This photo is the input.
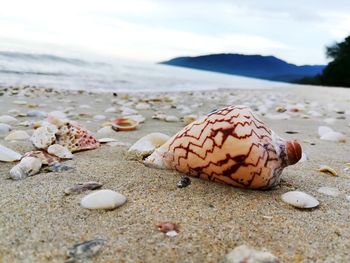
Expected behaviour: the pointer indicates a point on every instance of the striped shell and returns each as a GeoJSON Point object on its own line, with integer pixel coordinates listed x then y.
{"type": "Point", "coordinates": [229, 145]}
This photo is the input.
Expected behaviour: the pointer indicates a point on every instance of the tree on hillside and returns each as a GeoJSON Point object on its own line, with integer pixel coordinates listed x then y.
{"type": "Point", "coordinates": [337, 72]}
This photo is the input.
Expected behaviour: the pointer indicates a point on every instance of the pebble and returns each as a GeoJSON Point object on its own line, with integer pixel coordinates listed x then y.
{"type": "Point", "coordinates": [81, 187]}
{"type": "Point", "coordinates": [60, 151]}
{"type": "Point", "coordinates": [8, 119]}
{"type": "Point", "coordinates": [300, 199]}
{"type": "Point", "coordinates": [184, 182]}
{"type": "Point", "coordinates": [103, 199]}
{"type": "Point", "coordinates": [8, 155]}
{"type": "Point", "coordinates": [245, 254]}
{"type": "Point", "coordinates": [83, 251]}
{"type": "Point", "coordinates": [17, 135]}
{"type": "Point", "coordinates": [331, 191]}
{"type": "Point", "coordinates": [4, 129]}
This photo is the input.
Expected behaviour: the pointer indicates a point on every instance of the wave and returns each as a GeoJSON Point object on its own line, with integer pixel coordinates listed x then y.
{"type": "Point", "coordinates": [32, 73]}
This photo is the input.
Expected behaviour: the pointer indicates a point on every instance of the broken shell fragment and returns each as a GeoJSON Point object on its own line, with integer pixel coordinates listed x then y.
{"type": "Point", "coordinates": [124, 124]}
{"type": "Point", "coordinates": [81, 187]}
{"type": "Point", "coordinates": [45, 157]}
{"type": "Point", "coordinates": [300, 199]}
{"type": "Point", "coordinates": [229, 145]}
{"type": "Point", "coordinates": [245, 254]}
{"type": "Point", "coordinates": [82, 252]}
{"type": "Point", "coordinates": [8, 155]}
{"type": "Point", "coordinates": [43, 137]}
{"type": "Point", "coordinates": [28, 166]}
{"type": "Point", "coordinates": [59, 151]}
{"type": "Point", "coordinates": [167, 226]}
{"type": "Point", "coordinates": [147, 144]}
{"type": "Point", "coordinates": [331, 191]}
{"type": "Point", "coordinates": [327, 169]}
{"type": "Point", "coordinates": [76, 138]}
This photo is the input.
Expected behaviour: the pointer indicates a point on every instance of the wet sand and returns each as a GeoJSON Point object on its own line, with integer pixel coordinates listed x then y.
{"type": "Point", "coordinates": [38, 223]}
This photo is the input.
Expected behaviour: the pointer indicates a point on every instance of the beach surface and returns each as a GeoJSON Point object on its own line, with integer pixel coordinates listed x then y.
{"type": "Point", "coordinates": [39, 223]}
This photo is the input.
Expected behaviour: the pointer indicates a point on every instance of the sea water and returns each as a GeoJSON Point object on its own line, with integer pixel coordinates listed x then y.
{"type": "Point", "coordinates": [114, 75]}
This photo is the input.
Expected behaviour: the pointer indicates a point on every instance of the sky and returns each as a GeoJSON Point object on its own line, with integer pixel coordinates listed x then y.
{"type": "Point", "coordinates": [156, 30]}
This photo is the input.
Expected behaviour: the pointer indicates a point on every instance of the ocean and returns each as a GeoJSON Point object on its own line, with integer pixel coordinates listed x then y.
{"type": "Point", "coordinates": [113, 75]}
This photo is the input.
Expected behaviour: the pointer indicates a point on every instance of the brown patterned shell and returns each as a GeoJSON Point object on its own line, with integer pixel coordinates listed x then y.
{"type": "Point", "coordinates": [231, 146]}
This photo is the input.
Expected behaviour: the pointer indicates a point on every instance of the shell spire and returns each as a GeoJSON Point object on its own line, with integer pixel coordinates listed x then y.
{"type": "Point", "coordinates": [231, 146]}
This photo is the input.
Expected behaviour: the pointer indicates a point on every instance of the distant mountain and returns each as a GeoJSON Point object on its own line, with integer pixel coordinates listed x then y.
{"type": "Point", "coordinates": [255, 66]}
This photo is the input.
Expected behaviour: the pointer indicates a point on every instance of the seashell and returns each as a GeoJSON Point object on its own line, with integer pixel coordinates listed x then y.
{"type": "Point", "coordinates": [82, 252]}
{"type": "Point", "coordinates": [147, 144]}
{"type": "Point", "coordinates": [84, 106]}
{"type": "Point", "coordinates": [327, 169]}
{"type": "Point", "coordinates": [331, 191]}
{"type": "Point", "coordinates": [36, 113]}
{"type": "Point", "coordinates": [76, 138]}
{"type": "Point", "coordinates": [8, 119]}
{"type": "Point", "coordinates": [334, 137]}
{"type": "Point", "coordinates": [45, 157]}
{"type": "Point", "coordinates": [43, 137]}
{"type": "Point", "coordinates": [159, 116]}
{"type": "Point", "coordinates": [105, 131]}
{"type": "Point", "coordinates": [167, 226]}
{"type": "Point", "coordinates": [111, 110]}
{"type": "Point", "coordinates": [138, 118]}
{"type": "Point", "coordinates": [106, 140]}
{"type": "Point", "coordinates": [4, 129]}
{"type": "Point", "coordinates": [127, 111]}
{"type": "Point", "coordinates": [103, 199]}
{"type": "Point", "coordinates": [300, 199]}
{"type": "Point", "coordinates": [59, 151]}
{"type": "Point", "coordinates": [57, 115]}
{"type": "Point", "coordinates": [58, 167]}
{"type": "Point", "coordinates": [142, 106]}
{"type": "Point", "coordinates": [322, 130]}
{"type": "Point", "coordinates": [99, 117]}
{"type": "Point", "coordinates": [17, 135]}
{"type": "Point", "coordinates": [171, 118]}
{"type": "Point", "coordinates": [8, 155]}
{"type": "Point", "coordinates": [19, 102]}
{"type": "Point", "coordinates": [245, 254]}
{"type": "Point", "coordinates": [124, 124]}
{"type": "Point", "coordinates": [78, 188]}
{"type": "Point", "coordinates": [231, 146]}
{"type": "Point", "coordinates": [28, 166]}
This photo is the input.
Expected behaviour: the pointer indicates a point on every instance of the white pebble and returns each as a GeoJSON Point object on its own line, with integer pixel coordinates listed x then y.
{"type": "Point", "coordinates": [171, 233]}
{"type": "Point", "coordinates": [8, 155]}
{"type": "Point", "coordinates": [60, 151]}
{"type": "Point", "coordinates": [8, 119]}
{"type": "Point", "coordinates": [103, 199]}
{"type": "Point", "coordinates": [17, 135]}
{"type": "Point", "coordinates": [300, 199]}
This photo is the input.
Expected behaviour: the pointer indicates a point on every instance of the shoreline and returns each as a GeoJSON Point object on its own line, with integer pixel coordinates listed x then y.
{"type": "Point", "coordinates": [38, 223]}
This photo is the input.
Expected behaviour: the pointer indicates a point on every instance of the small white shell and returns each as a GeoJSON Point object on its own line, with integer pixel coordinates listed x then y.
{"type": "Point", "coordinates": [17, 135]}
{"type": "Point", "coordinates": [127, 111]}
{"type": "Point", "coordinates": [300, 199]}
{"type": "Point", "coordinates": [249, 255]}
{"type": "Point", "coordinates": [103, 199]}
{"type": "Point", "coordinates": [138, 118]}
{"type": "Point", "coordinates": [99, 117]}
{"type": "Point", "coordinates": [28, 166]}
{"type": "Point", "coordinates": [57, 115]}
{"type": "Point", "coordinates": [171, 118]}
{"type": "Point", "coordinates": [105, 131]}
{"type": "Point", "coordinates": [43, 137]}
{"type": "Point", "coordinates": [8, 119]}
{"type": "Point", "coordinates": [8, 155]}
{"type": "Point", "coordinates": [147, 144]}
{"type": "Point", "coordinates": [142, 106]}
{"type": "Point", "coordinates": [106, 140]}
{"type": "Point", "coordinates": [334, 137]}
{"type": "Point", "coordinates": [4, 129]}
{"type": "Point", "coordinates": [322, 130]}
{"type": "Point", "coordinates": [60, 151]}
{"type": "Point", "coordinates": [111, 110]}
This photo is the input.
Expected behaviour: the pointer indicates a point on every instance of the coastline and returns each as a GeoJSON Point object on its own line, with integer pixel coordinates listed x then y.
{"type": "Point", "coordinates": [38, 223]}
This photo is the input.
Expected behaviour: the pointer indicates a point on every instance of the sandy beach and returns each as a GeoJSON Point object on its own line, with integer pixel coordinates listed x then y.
{"type": "Point", "coordinates": [38, 222]}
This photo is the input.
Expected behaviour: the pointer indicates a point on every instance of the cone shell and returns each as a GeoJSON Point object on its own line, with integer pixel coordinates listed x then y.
{"type": "Point", "coordinates": [76, 138]}
{"type": "Point", "coordinates": [230, 145]}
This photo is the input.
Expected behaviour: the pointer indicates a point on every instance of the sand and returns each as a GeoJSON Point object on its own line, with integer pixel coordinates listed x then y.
{"type": "Point", "coordinates": [38, 223]}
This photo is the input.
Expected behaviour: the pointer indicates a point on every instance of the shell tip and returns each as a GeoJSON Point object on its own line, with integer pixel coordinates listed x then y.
{"type": "Point", "coordinates": [294, 152]}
